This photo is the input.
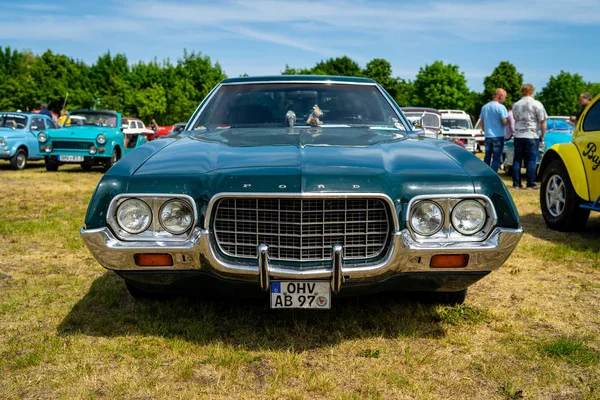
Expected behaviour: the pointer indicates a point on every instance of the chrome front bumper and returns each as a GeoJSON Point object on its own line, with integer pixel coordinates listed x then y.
{"type": "Point", "coordinates": [404, 255]}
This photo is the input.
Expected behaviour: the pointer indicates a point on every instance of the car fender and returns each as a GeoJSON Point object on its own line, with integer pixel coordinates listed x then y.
{"type": "Point", "coordinates": [569, 155]}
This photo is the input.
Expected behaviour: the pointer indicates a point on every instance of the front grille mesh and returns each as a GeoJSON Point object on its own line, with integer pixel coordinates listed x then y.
{"type": "Point", "coordinates": [61, 144]}
{"type": "Point", "coordinates": [302, 229]}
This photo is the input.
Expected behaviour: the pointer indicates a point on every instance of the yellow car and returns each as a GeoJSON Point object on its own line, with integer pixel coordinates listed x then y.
{"type": "Point", "coordinates": [571, 175]}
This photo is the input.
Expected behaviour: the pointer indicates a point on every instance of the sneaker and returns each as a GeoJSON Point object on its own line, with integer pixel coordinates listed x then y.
{"type": "Point", "coordinates": [533, 187]}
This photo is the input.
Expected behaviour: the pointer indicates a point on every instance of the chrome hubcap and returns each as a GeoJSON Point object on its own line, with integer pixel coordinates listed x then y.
{"type": "Point", "coordinates": [20, 160]}
{"type": "Point", "coordinates": [555, 196]}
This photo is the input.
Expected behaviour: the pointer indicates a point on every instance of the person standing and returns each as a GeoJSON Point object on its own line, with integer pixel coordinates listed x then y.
{"type": "Point", "coordinates": [493, 119]}
{"type": "Point", "coordinates": [44, 110]}
{"type": "Point", "coordinates": [530, 116]}
{"type": "Point", "coordinates": [584, 99]}
{"type": "Point", "coordinates": [510, 127]}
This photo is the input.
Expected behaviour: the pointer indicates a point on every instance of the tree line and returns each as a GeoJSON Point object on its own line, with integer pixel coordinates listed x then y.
{"type": "Point", "coordinates": [170, 92]}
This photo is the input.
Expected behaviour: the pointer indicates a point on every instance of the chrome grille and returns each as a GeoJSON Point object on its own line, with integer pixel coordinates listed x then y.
{"type": "Point", "coordinates": [298, 229]}
{"type": "Point", "coordinates": [61, 144]}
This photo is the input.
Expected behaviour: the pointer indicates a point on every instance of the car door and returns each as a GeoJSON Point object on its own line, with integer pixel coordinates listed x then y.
{"type": "Point", "coordinates": [587, 140]}
{"type": "Point", "coordinates": [36, 126]}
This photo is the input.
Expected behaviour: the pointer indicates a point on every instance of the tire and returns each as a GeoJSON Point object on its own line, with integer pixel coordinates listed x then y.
{"type": "Point", "coordinates": [559, 202]}
{"type": "Point", "coordinates": [140, 294]}
{"type": "Point", "coordinates": [51, 166]}
{"type": "Point", "coordinates": [448, 298]}
{"type": "Point", "coordinates": [112, 161]}
{"type": "Point", "coordinates": [19, 160]}
{"type": "Point", "coordinates": [86, 167]}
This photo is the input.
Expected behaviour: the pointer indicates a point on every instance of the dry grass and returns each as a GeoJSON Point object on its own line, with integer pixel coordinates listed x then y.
{"type": "Point", "coordinates": [70, 330]}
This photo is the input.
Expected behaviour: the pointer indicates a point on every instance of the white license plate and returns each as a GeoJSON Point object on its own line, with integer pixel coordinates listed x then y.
{"type": "Point", "coordinates": [301, 294]}
{"type": "Point", "coordinates": [70, 158]}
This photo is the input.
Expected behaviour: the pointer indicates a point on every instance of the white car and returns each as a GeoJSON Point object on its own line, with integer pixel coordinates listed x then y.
{"type": "Point", "coordinates": [132, 127]}
{"type": "Point", "coordinates": [457, 125]}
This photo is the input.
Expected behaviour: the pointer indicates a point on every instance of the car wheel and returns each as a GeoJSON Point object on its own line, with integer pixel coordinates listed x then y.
{"type": "Point", "coordinates": [51, 166]}
{"type": "Point", "coordinates": [449, 298]}
{"type": "Point", "coordinates": [112, 161]}
{"type": "Point", "coordinates": [19, 160]}
{"type": "Point", "coordinates": [140, 294]}
{"type": "Point", "coordinates": [559, 202]}
{"type": "Point", "coordinates": [86, 167]}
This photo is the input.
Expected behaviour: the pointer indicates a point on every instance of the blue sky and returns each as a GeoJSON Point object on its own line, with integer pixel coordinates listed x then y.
{"type": "Point", "coordinates": [259, 37]}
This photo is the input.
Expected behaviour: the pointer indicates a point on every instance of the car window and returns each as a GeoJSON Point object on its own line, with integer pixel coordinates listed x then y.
{"type": "Point", "coordinates": [13, 121]}
{"type": "Point", "coordinates": [140, 125]}
{"type": "Point", "coordinates": [592, 118]}
{"type": "Point", "coordinates": [50, 124]}
{"type": "Point", "coordinates": [37, 124]}
{"type": "Point", "coordinates": [453, 123]}
{"type": "Point", "coordinates": [268, 104]}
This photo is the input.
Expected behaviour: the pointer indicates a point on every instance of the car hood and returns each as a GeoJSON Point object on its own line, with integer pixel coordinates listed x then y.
{"type": "Point", "coordinates": [303, 160]}
{"type": "Point", "coordinates": [554, 137]}
{"type": "Point", "coordinates": [11, 133]}
{"type": "Point", "coordinates": [80, 132]}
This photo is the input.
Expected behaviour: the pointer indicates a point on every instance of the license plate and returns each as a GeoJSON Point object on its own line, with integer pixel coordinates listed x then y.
{"type": "Point", "coordinates": [70, 158]}
{"type": "Point", "coordinates": [301, 294]}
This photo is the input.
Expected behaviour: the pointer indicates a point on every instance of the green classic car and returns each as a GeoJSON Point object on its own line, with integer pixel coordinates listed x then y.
{"type": "Point", "coordinates": [88, 138]}
{"type": "Point", "coordinates": [302, 188]}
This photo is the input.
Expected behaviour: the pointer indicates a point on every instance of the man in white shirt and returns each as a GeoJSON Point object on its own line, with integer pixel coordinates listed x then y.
{"type": "Point", "coordinates": [529, 115]}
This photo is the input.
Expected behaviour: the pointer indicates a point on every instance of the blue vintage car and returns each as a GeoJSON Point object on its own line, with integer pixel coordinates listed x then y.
{"type": "Point", "coordinates": [557, 131]}
{"type": "Point", "coordinates": [88, 138]}
{"type": "Point", "coordinates": [18, 136]}
{"type": "Point", "coordinates": [301, 188]}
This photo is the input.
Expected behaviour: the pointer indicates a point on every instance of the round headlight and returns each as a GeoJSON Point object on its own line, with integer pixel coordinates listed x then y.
{"type": "Point", "coordinates": [101, 139]}
{"type": "Point", "coordinates": [93, 149]}
{"type": "Point", "coordinates": [468, 217]}
{"type": "Point", "coordinates": [48, 149]}
{"type": "Point", "coordinates": [176, 216]}
{"type": "Point", "coordinates": [426, 218]}
{"type": "Point", "coordinates": [134, 216]}
{"type": "Point", "coordinates": [42, 137]}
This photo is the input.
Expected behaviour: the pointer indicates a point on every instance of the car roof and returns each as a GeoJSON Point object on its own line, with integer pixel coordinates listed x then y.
{"type": "Point", "coordinates": [298, 78]}
{"type": "Point", "coordinates": [98, 111]}
{"type": "Point", "coordinates": [131, 119]}
{"type": "Point", "coordinates": [420, 109]}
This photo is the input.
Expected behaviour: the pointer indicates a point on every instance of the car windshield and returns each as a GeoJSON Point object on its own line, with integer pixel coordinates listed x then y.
{"type": "Point", "coordinates": [15, 121]}
{"type": "Point", "coordinates": [94, 118]}
{"type": "Point", "coordinates": [558, 125]}
{"type": "Point", "coordinates": [452, 123]}
{"type": "Point", "coordinates": [301, 104]}
{"type": "Point", "coordinates": [429, 120]}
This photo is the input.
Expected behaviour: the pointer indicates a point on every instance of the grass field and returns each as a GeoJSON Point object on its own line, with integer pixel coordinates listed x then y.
{"type": "Point", "coordinates": [69, 329]}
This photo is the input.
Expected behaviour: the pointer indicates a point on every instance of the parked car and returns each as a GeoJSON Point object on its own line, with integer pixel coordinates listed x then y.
{"type": "Point", "coordinates": [305, 188]}
{"type": "Point", "coordinates": [457, 125]}
{"type": "Point", "coordinates": [18, 137]}
{"type": "Point", "coordinates": [429, 119]}
{"type": "Point", "coordinates": [132, 128]}
{"type": "Point", "coordinates": [175, 130]}
{"type": "Point", "coordinates": [570, 174]}
{"type": "Point", "coordinates": [557, 131]}
{"type": "Point", "coordinates": [99, 140]}
{"type": "Point", "coordinates": [163, 130]}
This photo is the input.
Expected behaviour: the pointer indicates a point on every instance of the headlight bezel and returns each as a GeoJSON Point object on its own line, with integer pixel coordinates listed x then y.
{"type": "Point", "coordinates": [448, 233]}
{"type": "Point", "coordinates": [156, 231]}
{"type": "Point", "coordinates": [146, 225]}
{"type": "Point", "coordinates": [39, 137]}
{"type": "Point", "coordinates": [103, 141]}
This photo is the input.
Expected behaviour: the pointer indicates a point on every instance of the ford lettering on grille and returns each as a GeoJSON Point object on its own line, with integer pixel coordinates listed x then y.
{"type": "Point", "coordinates": [298, 229]}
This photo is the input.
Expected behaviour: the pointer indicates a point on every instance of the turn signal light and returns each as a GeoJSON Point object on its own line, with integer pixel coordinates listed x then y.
{"type": "Point", "coordinates": [449, 261]}
{"type": "Point", "coordinates": [153, 260]}
{"type": "Point", "coordinates": [101, 150]}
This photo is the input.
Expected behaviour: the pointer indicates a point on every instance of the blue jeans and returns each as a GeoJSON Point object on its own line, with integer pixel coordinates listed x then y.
{"type": "Point", "coordinates": [493, 152]}
{"type": "Point", "coordinates": [528, 149]}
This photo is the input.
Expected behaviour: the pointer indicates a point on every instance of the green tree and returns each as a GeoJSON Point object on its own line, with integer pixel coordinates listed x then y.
{"type": "Point", "coordinates": [151, 102]}
{"type": "Point", "coordinates": [560, 94]}
{"type": "Point", "coordinates": [441, 86]}
{"type": "Point", "coordinates": [380, 70]}
{"type": "Point", "coordinates": [504, 76]}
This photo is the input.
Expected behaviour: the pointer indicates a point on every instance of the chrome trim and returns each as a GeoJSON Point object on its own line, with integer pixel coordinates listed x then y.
{"type": "Point", "coordinates": [405, 255]}
{"type": "Point", "coordinates": [201, 108]}
{"type": "Point", "coordinates": [448, 233]}
{"type": "Point", "coordinates": [263, 266]}
{"type": "Point", "coordinates": [303, 195]}
{"type": "Point", "coordinates": [155, 231]}
{"type": "Point", "coordinates": [328, 81]}
{"type": "Point", "coordinates": [336, 269]}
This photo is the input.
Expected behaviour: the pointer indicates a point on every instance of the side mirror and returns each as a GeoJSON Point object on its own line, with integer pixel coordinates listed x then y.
{"type": "Point", "coordinates": [34, 127]}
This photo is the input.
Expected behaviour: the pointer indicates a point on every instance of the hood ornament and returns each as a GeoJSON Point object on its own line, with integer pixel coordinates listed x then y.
{"type": "Point", "coordinates": [290, 118]}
